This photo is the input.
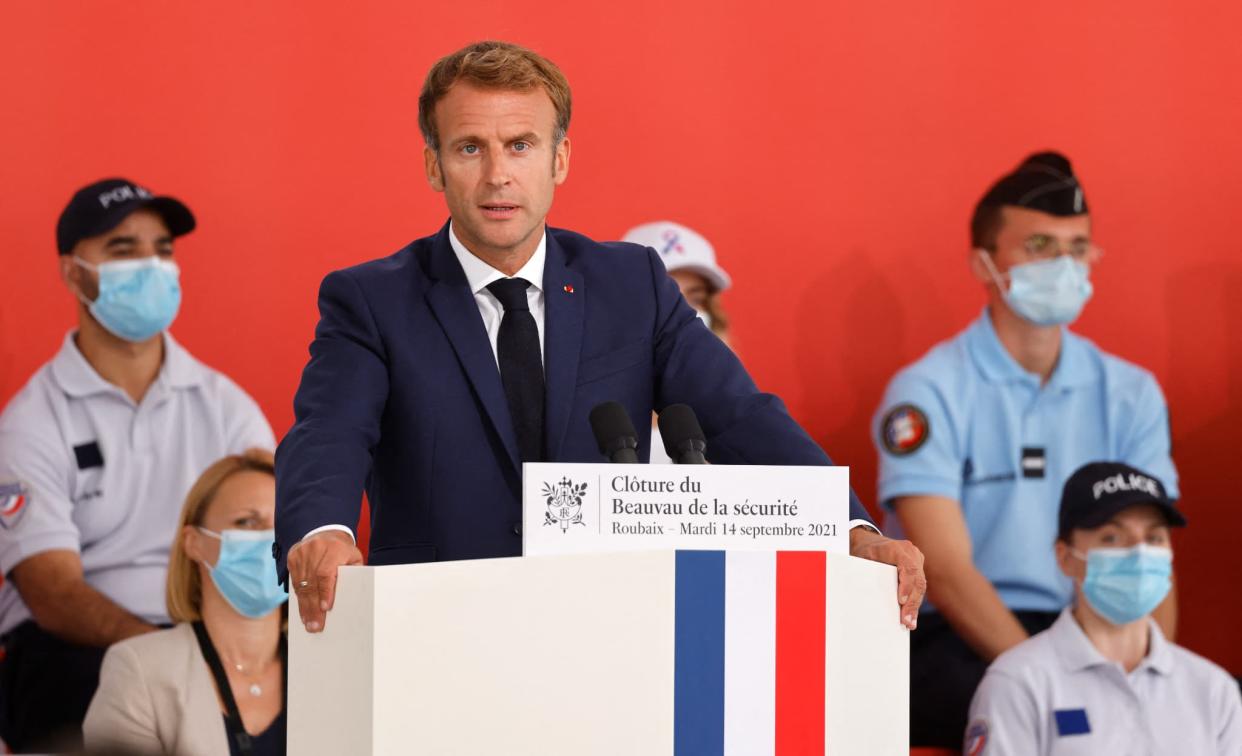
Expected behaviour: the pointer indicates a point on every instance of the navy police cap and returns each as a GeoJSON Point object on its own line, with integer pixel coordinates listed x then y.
{"type": "Point", "coordinates": [1099, 490]}
{"type": "Point", "coordinates": [100, 207]}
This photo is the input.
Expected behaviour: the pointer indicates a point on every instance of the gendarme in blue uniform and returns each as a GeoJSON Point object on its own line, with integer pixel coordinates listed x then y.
{"type": "Point", "coordinates": [968, 423]}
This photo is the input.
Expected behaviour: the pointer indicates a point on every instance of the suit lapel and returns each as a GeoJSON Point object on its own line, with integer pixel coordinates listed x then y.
{"type": "Point", "coordinates": [453, 303]}
{"type": "Point", "coordinates": [564, 298]}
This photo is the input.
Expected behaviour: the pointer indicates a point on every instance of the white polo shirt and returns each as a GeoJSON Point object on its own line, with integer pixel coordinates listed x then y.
{"type": "Point", "coordinates": [1056, 694]}
{"type": "Point", "coordinates": [83, 468]}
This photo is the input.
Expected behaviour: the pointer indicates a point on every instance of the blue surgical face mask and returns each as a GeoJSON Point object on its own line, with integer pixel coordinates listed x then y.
{"type": "Point", "coordinates": [137, 298]}
{"type": "Point", "coordinates": [245, 573]}
{"type": "Point", "coordinates": [1046, 292]}
{"type": "Point", "coordinates": [1124, 585]}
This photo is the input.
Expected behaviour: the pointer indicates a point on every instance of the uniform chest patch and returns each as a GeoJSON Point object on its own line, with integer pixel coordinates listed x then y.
{"type": "Point", "coordinates": [1071, 722]}
{"type": "Point", "coordinates": [904, 430]}
{"type": "Point", "coordinates": [88, 455]}
{"type": "Point", "coordinates": [976, 738]}
{"type": "Point", "coordinates": [14, 496]}
{"type": "Point", "coordinates": [1033, 462]}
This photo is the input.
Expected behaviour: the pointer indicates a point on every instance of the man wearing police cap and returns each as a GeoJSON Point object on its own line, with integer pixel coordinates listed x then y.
{"type": "Point", "coordinates": [976, 438]}
{"type": "Point", "coordinates": [97, 453]}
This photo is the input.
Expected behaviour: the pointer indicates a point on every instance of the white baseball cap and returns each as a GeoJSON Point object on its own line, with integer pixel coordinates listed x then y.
{"type": "Point", "coordinates": [681, 248]}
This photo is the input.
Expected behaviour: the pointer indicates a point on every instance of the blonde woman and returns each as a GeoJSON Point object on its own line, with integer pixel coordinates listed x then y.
{"type": "Point", "coordinates": [214, 684]}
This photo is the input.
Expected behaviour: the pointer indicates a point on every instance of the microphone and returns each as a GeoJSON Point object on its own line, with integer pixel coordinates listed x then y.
{"type": "Point", "coordinates": [683, 437]}
{"type": "Point", "coordinates": [614, 433]}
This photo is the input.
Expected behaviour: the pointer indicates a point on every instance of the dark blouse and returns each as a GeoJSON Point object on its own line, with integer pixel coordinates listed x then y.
{"type": "Point", "coordinates": [270, 742]}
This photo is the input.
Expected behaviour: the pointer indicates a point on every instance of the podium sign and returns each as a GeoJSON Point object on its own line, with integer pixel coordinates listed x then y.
{"type": "Point", "coordinates": [585, 508]}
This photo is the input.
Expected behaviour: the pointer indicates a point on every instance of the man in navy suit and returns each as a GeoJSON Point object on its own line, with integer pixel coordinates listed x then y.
{"type": "Point", "coordinates": [436, 372]}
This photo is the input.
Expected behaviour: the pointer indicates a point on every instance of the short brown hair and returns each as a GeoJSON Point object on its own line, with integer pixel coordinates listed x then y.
{"type": "Point", "coordinates": [493, 65]}
{"type": "Point", "coordinates": [184, 590]}
{"type": "Point", "coordinates": [985, 224]}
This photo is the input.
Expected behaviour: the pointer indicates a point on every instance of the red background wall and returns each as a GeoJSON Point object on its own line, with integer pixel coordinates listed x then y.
{"type": "Point", "coordinates": [832, 151]}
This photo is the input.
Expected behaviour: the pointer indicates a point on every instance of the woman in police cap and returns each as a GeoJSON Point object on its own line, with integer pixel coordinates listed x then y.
{"type": "Point", "coordinates": [1103, 678]}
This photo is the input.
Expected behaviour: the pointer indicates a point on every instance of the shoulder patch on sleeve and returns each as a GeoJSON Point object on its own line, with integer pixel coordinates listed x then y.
{"type": "Point", "coordinates": [904, 429]}
{"type": "Point", "coordinates": [14, 496]}
{"type": "Point", "coordinates": [976, 738]}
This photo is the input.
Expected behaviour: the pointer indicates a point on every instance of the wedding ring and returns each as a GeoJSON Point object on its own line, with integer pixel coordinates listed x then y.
{"type": "Point", "coordinates": [303, 583]}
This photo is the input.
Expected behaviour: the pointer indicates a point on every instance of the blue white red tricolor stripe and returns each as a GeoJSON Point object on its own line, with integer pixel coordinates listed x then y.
{"type": "Point", "coordinates": [750, 650]}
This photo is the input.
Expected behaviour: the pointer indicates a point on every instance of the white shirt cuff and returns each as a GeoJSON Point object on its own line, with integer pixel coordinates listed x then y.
{"type": "Point", "coordinates": [853, 524]}
{"type": "Point", "coordinates": [331, 527]}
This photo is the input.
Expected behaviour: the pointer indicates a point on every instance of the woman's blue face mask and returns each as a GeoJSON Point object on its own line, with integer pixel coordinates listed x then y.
{"type": "Point", "coordinates": [1125, 585]}
{"type": "Point", "coordinates": [245, 573]}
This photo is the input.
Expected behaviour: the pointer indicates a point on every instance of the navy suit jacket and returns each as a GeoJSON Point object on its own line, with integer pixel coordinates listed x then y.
{"type": "Point", "coordinates": [402, 396]}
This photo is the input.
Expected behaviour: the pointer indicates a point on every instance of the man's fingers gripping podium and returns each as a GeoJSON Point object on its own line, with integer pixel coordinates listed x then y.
{"type": "Point", "coordinates": [313, 563]}
{"type": "Point", "coordinates": [906, 557]}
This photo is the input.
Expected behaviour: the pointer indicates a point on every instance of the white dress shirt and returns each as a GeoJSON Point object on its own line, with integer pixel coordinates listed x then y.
{"type": "Point", "coordinates": [479, 274]}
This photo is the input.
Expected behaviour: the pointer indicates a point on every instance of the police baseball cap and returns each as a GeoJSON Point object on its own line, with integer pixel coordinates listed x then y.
{"type": "Point", "coordinates": [100, 207]}
{"type": "Point", "coordinates": [681, 248]}
{"type": "Point", "coordinates": [1044, 181]}
{"type": "Point", "coordinates": [1099, 490]}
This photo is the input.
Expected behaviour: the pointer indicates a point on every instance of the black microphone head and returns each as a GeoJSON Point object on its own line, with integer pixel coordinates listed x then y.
{"type": "Point", "coordinates": [684, 439]}
{"type": "Point", "coordinates": [614, 432]}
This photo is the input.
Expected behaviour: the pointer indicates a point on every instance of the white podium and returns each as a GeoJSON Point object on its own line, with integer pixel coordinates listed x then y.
{"type": "Point", "coordinates": [683, 653]}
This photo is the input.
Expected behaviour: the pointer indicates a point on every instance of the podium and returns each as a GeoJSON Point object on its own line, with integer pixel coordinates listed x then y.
{"type": "Point", "coordinates": [677, 653]}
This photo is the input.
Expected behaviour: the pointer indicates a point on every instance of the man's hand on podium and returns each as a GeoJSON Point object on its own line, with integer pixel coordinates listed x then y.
{"type": "Point", "coordinates": [313, 563]}
{"type": "Point", "coordinates": [906, 557]}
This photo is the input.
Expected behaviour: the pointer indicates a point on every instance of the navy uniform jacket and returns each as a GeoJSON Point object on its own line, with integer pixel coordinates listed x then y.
{"type": "Point", "coordinates": [402, 396]}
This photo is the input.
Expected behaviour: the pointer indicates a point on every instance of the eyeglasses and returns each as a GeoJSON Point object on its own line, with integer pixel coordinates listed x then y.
{"type": "Point", "coordinates": [1046, 247]}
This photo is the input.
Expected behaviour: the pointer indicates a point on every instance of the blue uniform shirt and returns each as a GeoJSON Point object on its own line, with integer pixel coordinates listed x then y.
{"type": "Point", "coordinates": [968, 423]}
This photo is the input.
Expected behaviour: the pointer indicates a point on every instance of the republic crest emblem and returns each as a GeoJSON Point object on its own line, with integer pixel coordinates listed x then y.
{"type": "Point", "coordinates": [14, 496]}
{"type": "Point", "coordinates": [564, 501]}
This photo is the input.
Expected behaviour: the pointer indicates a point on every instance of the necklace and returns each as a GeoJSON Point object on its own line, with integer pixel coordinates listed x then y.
{"type": "Point", "coordinates": [255, 689]}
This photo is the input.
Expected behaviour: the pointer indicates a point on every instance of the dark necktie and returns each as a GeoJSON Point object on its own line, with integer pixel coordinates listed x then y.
{"type": "Point", "coordinates": [521, 365]}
